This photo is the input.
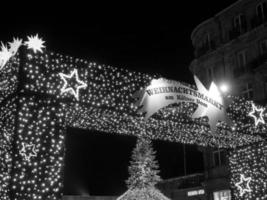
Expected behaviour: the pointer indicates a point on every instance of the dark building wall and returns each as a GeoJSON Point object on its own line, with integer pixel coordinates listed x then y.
{"type": "Point", "coordinates": [219, 43]}
{"type": "Point", "coordinates": [218, 59]}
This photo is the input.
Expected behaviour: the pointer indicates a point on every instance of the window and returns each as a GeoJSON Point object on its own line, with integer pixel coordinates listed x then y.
{"type": "Point", "coordinates": [242, 59]}
{"type": "Point", "coordinates": [247, 91]}
{"type": "Point", "coordinates": [219, 157]}
{"type": "Point", "coordinates": [263, 46]}
{"type": "Point", "coordinates": [261, 10]}
{"type": "Point", "coordinates": [217, 73]}
{"type": "Point", "coordinates": [222, 195]}
{"type": "Point", "coordinates": [210, 74]}
{"type": "Point", "coordinates": [265, 86]}
{"type": "Point", "coordinates": [207, 40]}
{"type": "Point", "coordinates": [240, 22]}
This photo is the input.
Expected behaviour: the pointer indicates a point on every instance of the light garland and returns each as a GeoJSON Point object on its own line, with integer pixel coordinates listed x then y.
{"type": "Point", "coordinates": [42, 106]}
{"type": "Point", "coordinates": [249, 172]}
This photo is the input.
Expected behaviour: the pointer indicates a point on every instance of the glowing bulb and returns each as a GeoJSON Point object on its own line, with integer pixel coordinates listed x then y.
{"type": "Point", "coordinates": [224, 88]}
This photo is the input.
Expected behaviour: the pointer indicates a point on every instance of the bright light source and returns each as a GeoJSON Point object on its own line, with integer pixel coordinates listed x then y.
{"type": "Point", "coordinates": [224, 88]}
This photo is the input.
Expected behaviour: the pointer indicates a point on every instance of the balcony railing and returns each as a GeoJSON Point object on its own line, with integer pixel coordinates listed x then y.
{"type": "Point", "coordinates": [205, 48]}
{"type": "Point", "coordinates": [260, 60]}
{"type": "Point", "coordinates": [251, 66]}
{"type": "Point", "coordinates": [236, 32]}
{"type": "Point", "coordinates": [257, 21]}
{"type": "Point", "coordinates": [241, 70]}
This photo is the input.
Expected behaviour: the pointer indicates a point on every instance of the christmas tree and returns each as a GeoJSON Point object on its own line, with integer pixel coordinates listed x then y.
{"type": "Point", "coordinates": [144, 176]}
{"type": "Point", "coordinates": [143, 167]}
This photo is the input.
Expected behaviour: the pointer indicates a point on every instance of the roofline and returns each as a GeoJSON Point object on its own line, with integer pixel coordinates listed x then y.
{"type": "Point", "coordinates": [209, 19]}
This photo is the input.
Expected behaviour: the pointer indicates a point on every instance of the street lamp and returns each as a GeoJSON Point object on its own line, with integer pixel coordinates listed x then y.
{"type": "Point", "coordinates": [224, 88]}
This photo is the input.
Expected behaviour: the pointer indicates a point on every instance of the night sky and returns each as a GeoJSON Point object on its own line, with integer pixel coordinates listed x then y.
{"type": "Point", "coordinates": [149, 38]}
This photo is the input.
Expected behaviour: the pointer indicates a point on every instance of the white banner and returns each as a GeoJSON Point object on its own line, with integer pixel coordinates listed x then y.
{"type": "Point", "coordinates": [161, 93]}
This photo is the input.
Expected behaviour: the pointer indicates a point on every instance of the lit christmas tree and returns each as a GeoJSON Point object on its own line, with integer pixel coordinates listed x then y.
{"type": "Point", "coordinates": [144, 176]}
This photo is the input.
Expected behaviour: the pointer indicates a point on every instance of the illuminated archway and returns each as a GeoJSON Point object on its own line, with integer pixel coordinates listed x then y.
{"type": "Point", "coordinates": [43, 92]}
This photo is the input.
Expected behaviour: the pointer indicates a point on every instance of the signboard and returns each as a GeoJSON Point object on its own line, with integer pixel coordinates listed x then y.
{"type": "Point", "coordinates": [161, 93]}
{"type": "Point", "coordinates": [222, 195]}
{"type": "Point", "coordinates": [195, 192]}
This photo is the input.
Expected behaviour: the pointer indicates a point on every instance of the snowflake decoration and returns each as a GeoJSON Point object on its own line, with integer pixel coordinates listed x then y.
{"type": "Point", "coordinates": [28, 151]}
{"type": "Point", "coordinates": [5, 55]}
{"type": "Point", "coordinates": [241, 182]}
{"type": "Point", "coordinates": [14, 46]}
{"type": "Point", "coordinates": [74, 89]}
{"type": "Point", "coordinates": [257, 114]}
{"type": "Point", "coordinates": [35, 43]}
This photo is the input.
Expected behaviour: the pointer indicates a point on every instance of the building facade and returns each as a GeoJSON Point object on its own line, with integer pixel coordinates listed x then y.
{"type": "Point", "coordinates": [231, 48]}
{"type": "Point", "coordinates": [188, 187]}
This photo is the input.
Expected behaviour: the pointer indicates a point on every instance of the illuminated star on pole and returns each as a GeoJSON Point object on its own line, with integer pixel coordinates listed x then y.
{"type": "Point", "coordinates": [257, 114]}
{"type": "Point", "coordinates": [5, 55]}
{"type": "Point", "coordinates": [35, 43]}
{"type": "Point", "coordinates": [241, 183]}
{"type": "Point", "coordinates": [28, 151]}
{"type": "Point", "coordinates": [14, 46]}
{"type": "Point", "coordinates": [72, 83]}
{"type": "Point", "coordinates": [214, 114]}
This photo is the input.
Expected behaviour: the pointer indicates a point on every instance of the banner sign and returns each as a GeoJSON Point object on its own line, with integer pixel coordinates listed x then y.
{"type": "Point", "coordinates": [161, 93]}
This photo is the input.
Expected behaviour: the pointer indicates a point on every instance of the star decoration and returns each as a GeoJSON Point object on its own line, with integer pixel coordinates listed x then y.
{"type": "Point", "coordinates": [213, 113]}
{"type": "Point", "coordinates": [5, 55]}
{"type": "Point", "coordinates": [28, 151]}
{"type": "Point", "coordinates": [241, 183]}
{"type": "Point", "coordinates": [72, 83]}
{"type": "Point", "coordinates": [257, 114]}
{"type": "Point", "coordinates": [35, 43]}
{"type": "Point", "coordinates": [14, 46]}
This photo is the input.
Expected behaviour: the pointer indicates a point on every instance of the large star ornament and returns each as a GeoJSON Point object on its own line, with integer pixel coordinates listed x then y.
{"type": "Point", "coordinates": [213, 113]}
{"type": "Point", "coordinates": [28, 151]}
{"type": "Point", "coordinates": [14, 46]}
{"type": "Point", "coordinates": [243, 181]}
{"type": "Point", "coordinates": [73, 89]}
{"type": "Point", "coordinates": [5, 55]}
{"type": "Point", "coordinates": [35, 43]}
{"type": "Point", "coordinates": [257, 114]}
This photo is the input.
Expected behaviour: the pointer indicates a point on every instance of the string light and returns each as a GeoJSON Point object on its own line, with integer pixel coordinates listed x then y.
{"type": "Point", "coordinates": [248, 172]}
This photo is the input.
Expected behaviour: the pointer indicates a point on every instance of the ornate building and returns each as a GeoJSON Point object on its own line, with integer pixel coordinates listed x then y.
{"type": "Point", "coordinates": [231, 48]}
